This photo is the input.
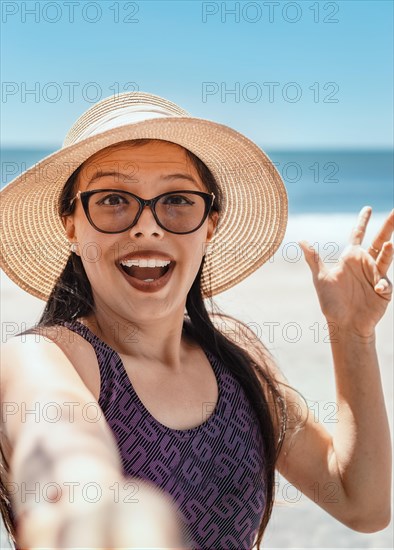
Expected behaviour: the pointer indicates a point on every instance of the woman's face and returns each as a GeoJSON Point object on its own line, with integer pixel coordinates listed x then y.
{"type": "Point", "coordinates": [143, 170]}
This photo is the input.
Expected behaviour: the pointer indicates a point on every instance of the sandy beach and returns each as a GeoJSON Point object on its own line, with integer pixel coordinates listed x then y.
{"type": "Point", "coordinates": [280, 304]}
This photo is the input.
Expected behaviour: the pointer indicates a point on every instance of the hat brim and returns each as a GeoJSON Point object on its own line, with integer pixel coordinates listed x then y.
{"type": "Point", "coordinates": [34, 248]}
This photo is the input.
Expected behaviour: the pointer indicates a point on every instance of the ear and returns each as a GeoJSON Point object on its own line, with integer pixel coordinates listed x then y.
{"type": "Point", "coordinates": [68, 224]}
{"type": "Point", "coordinates": [213, 219]}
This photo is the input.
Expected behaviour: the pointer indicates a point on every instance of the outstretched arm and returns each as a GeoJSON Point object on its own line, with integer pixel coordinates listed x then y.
{"type": "Point", "coordinates": [65, 473]}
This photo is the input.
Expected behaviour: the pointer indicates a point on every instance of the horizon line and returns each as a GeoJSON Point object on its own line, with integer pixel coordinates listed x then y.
{"type": "Point", "coordinates": [348, 148]}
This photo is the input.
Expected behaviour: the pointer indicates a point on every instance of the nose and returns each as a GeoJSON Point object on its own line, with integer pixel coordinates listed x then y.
{"type": "Point", "coordinates": [146, 225]}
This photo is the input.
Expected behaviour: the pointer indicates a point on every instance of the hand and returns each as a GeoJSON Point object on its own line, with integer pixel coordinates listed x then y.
{"type": "Point", "coordinates": [130, 518]}
{"type": "Point", "coordinates": [355, 294]}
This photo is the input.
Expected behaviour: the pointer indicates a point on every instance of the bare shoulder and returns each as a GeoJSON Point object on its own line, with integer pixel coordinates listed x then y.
{"type": "Point", "coordinates": [50, 351]}
{"type": "Point", "coordinates": [80, 353]}
{"type": "Point", "coordinates": [52, 365]}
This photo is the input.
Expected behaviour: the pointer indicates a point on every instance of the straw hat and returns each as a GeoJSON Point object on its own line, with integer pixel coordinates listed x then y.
{"type": "Point", "coordinates": [34, 248]}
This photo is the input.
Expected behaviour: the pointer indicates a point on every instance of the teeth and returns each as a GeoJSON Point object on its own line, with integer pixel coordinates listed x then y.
{"type": "Point", "coordinates": [148, 280]}
{"type": "Point", "coordinates": [145, 263]}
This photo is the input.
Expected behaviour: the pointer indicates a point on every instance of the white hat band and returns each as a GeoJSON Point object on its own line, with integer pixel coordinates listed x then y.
{"type": "Point", "coordinates": [123, 116]}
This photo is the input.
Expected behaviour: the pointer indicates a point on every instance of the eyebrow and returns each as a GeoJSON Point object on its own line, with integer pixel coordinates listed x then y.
{"type": "Point", "coordinates": [126, 177]}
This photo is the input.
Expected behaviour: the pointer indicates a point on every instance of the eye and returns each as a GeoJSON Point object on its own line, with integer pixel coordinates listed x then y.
{"type": "Point", "coordinates": [112, 200]}
{"type": "Point", "coordinates": [178, 200]}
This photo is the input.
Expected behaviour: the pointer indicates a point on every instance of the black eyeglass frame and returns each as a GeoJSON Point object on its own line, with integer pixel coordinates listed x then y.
{"type": "Point", "coordinates": [84, 196]}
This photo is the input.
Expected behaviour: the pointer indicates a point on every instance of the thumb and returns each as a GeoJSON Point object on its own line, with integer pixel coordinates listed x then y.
{"type": "Point", "coordinates": [312, 257]}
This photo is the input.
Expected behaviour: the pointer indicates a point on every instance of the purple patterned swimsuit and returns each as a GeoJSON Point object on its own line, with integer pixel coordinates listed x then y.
{"type": "Point", "coordinates": [214, 471]}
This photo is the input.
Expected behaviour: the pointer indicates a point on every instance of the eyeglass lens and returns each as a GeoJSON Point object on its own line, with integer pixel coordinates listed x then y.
{"type": "Point", "coordinates": [178, 212]}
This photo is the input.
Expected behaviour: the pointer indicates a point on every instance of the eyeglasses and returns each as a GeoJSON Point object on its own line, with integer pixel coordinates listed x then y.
{"type": "Point", "coordinates": [116, 211]}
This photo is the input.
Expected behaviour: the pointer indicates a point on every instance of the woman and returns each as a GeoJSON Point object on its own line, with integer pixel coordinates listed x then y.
{"type": "Point", "coordinates": [161, 210]}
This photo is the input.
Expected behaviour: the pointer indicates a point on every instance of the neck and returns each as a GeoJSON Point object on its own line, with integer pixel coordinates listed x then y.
{"type": "Point", "coordinates": [157, 341]}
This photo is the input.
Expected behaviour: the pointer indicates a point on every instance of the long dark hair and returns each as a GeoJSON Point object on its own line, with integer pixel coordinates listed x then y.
{"type": "Point", "coordinates": [72, 298]}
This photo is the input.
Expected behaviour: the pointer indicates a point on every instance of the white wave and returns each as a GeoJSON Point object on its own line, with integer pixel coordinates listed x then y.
{"type": "Point", "coordinates": [328, 228]}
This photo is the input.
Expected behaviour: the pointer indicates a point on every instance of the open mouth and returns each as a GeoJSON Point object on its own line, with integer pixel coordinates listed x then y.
{"type": "Point", "coordinates": [146, 274]}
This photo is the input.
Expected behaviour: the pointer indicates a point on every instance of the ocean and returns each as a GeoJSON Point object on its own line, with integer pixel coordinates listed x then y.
{"type": "Point", "coordinates": [317, 181]}
{"type": "Point", "coordinates": [326, 190]}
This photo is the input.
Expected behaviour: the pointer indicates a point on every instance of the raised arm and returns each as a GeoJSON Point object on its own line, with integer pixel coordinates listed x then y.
{"type": "Point", "coordinates": [348, 474]}
{"type": "Point", "coordinates": [65, 471]}
{"type": "Point", "coordinates": [357, 459]}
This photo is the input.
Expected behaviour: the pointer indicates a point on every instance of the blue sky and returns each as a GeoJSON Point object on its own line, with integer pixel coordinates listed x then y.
{"type": "Point", "coordinates": [331, 83]}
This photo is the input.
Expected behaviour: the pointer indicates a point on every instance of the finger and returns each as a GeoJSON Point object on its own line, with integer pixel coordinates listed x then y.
{"type": "Point", "coordinates": [385, 258]}
{"type": "Point", "coordinates": [384, 287]}
{"type": "Point", "coordinates": [312, 258]}
{"type": "Point", "coordinates": [384, 234]}
{"type": "Point", "coordinates": [358, 232]}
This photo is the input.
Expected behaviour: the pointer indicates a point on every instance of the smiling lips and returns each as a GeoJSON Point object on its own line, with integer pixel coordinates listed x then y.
{"type": "Point", "coordinates": [145, 269]}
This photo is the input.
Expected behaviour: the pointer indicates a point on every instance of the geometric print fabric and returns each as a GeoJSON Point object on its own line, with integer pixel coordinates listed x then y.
{"type": "Point", "coordinates": [213, 472]}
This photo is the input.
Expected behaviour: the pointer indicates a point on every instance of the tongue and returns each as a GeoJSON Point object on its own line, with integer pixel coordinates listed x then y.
{"type": "Point", "coordinates": [142, 273]}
